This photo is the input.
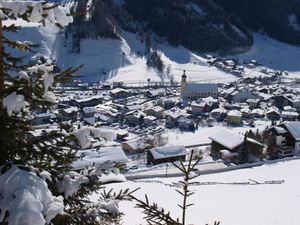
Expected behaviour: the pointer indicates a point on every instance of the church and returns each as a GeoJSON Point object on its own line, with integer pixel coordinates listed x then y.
{"type": "Point", "coordinates": [192, 91]}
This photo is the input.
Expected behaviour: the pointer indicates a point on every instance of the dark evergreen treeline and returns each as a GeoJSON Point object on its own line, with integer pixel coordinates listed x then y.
{"type": "Point", "coordinates": [200, 25]}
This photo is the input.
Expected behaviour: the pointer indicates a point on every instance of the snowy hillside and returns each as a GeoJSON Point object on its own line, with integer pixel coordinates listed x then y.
{"type": "Point", "coordinates": [122, 60]}
{"type": "Point", "coordinates": [264, 204]}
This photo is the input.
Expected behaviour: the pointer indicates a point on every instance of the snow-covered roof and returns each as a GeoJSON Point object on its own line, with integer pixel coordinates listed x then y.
{"type": "Point", "coordinates": [168, 152]}
{"type": "Point", "coordinates": [257, 111]}
{"type": "Point", "coordinates": [234, 113]}
{"type": "Point", "coordinates": [196, 87]}
{"type": "Point", "coordinates": [227, 138]}
{"type": "Point", "coordinates": [89, 109]}
{"type": "Point", "coordinates": [137, 143]}
{"type": "Point", "coordinates": [118, 90]}
{"type": "Point", "coordinates": [280, 130]}
{"type": "Point", "coordinates": [70, 110]}
{"type": "Point", "coordinates": [289, 113]}
{"type": "Point", "coordinates": [294, 129]}
{"type": "Point", "coordinates": [100, 156]}
{"type": "Point", "coordinates": [219, 110]}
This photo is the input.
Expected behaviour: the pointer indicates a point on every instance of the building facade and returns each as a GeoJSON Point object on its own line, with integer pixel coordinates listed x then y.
{"type": "Point", "coordinates": [192, 91]}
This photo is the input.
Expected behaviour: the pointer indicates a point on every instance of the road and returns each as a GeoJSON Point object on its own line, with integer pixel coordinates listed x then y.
{"type": "Point", "coordinates": [171, 171]}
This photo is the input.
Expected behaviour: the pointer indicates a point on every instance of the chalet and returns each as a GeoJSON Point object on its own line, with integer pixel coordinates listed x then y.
{"type": "Point", "coordinates": [228, 140]}
{"type": "Point", "coordinates": [119, 93]}
{"type": "Point", "coordinates": [89, 112]}
{"type": "Point", "coordinates": [156, 111]}
{"type": "Point", "coordinates": [70, 113]}
{"type": "Point", "coordinates": [134, 118]}
{"type": "Point", "coordinates": [104, 156]}
{"type": "Point", "coordinates": [149, 120]}
{"type": "Point", "coordinates": [86, 102]}
{"type": "Point", "coordinates": [273, 114]}
{"type": "Point", "coordinates": [166, 154]}
{"type": "Point", "coordinates": [257, 113]}
{"type": "Point", "coordinates": [203, 105]}
{"type": "Point", "coordinates": [185, 123]}
{"type": "Point", "coordinates": [172, 117]}
{"type": "Point", "coordinates": [136, 145]}
{"type": "Point", "coordinates": [253, 103]}
{"type": "Point", "coordinates": [219, 114]}
{"type": "Point", "coordinates": [43, 118]}
{"type": "Point", "coordinates": [155, 93]}
{"type": "Point", "coordinates": [192, 91]}
{"type": "Point", "coordinates": [288, 115]}
{"type": "Point", "coordinates": [167, 103]}
{"type": "Point", "coordinates": [287, 136]}
{"type": "Point", "coordinates": [106, 86]}
{"type": "Point", "coordinates": [245, 112]}
{"type": "Point", "coordinates": [197, 108]}
{"type": "Point", "coordinates": [234, 117]}
{"type": "Point", "coordinates": [241, 96]}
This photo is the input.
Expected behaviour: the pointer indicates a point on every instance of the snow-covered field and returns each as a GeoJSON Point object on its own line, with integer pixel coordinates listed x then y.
{"type": "Point", "coordinates": [266, 204]}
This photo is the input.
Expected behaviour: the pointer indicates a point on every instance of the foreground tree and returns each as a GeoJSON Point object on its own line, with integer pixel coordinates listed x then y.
{"type": "Point", "coordinates": [38, 185]}
{"type": "Point", "coordinates": [154, 214]}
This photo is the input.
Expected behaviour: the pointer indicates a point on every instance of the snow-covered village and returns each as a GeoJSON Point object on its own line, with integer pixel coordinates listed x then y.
{"type": "Point", "coordinates": [127, 112]}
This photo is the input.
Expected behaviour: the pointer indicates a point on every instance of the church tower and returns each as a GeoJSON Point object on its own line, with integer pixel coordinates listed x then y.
{"type": "Point", "coordinates": [183, 85]}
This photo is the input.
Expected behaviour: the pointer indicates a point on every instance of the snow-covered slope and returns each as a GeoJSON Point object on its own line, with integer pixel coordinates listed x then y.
{"type": "Point", "coordinates": [231, 204]}
{"type": "Point", "coordinates": [274, 54]}
{"type": "Point", "coordinates": [122, 60]}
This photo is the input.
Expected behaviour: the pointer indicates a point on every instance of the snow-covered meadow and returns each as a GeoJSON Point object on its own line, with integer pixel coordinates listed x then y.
{"type": "Point", "coordinates": [264, 204]}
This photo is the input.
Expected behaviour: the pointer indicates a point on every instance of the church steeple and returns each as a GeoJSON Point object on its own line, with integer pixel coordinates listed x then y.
{"type": "Point", "coordinates": [183, 84]}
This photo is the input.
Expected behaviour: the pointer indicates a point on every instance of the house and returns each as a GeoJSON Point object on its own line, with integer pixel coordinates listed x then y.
{"type": "Point", "coordinates": [119, 93]}
{"type": "Point", "coordinates": [104, 156]}
{"type": "Point", "coordinates": [225, 139]}
{"type": "Point", "coordinates": [70, 113]}
{"type": "Point", "coordinates": [122, 134]}
{"type": "Point", "coordinates": [149, 120]}
{"type": "Point", "coordinates": [234, 117]}
{"type": "Point", "coordinates": [88, 112]}
{"type": "Point", "coordinates": [253, 103]}
{"type": "Point", "coordinates": [273, 114]}
{"type": "Point", "coordinates": [192, 91]}
{"type": "Point", "coordinates": [203, 106]}
{"type": "Point", "coordinates": [197, 108]}
{"type": "Point", "coordinates": [167, 103]}
{"type": "Point", "coordinates": [43, 118]}
{"type": "Point", "coordinates": [241, 96]}
{"type": "Point", "coordinates": [135, 118]}
{"type": "Point", "coordinates": [287, 137]}
{"type": "Point", "coordinates": [136, 145]}
{"type": "Point", "coordinates": [166, 154]}
{"type": "Point", "coordinates": [219, 114]}
{"type": "Point", "coordinates": [257, 113]}
{"type": "Point", "coordinates": [86, 102]}
{"type": "Point", "coordinates": [155, 93]}
{"type": "Point", "coordinates": [172, 117]}
{"type": "Point", "coordinates": [288, 115]}
{"type": "Point", "coordinates": [185, 123]}
{"type": "Point", "coordinates": [156, 111]}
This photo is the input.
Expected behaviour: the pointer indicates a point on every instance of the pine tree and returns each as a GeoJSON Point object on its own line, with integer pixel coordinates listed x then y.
{"type": "Point", "coordinates": [154, 214]}
{"type": "Point", "coordinates": [23, 89]}
{"type": "Point", "coordinates": [243, 151]}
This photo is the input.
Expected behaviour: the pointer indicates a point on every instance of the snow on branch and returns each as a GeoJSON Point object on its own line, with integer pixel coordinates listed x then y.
{"type": "Point", "coordinates": [26, 199]}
